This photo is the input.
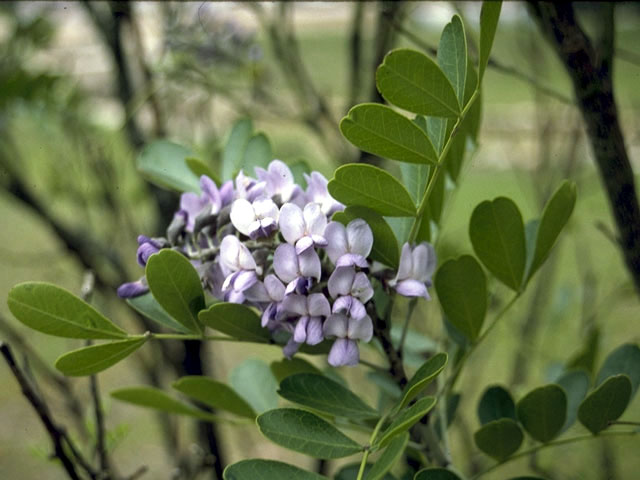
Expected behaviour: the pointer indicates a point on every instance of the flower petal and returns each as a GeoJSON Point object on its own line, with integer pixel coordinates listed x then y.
{"type": "Point", "coordinates": [290, 348]}
{"type": "Point", "coordinates": [314, 219]}
{"type": "Point", "coordinates": [304, 244]}
{"type": "Point", "coordinates": [285, 262]}
{"type": "Point", "coordinates": [300, 333]}
{"type": "Point", "coordinates": [211, 192]}
{"type": "Point", "coordinates": [309, 264]}
{"type": "Point", "coordinates": [336, 236]}
{"type": "Point", "coordinates": [244, 280]}
{"type": "Point", "coordinates": [291, 222]}
{"type": "Point", "coordinates": [412, 288]}
{"type": "Point", "coordinates": [274, 287]}
{"type": "Point", "coordinates": [132, 289]}
{"type": "Point", "coordinates": [341, 281]}
{"type": "Point", "coordinates": [359, 237]}
{"type": "Point", "coordinates": [361, 287]}
{"type": "Point", "coordinates": [257, 293]}
{"type": "Point", "coordinates": [266, 208]}
{"type": "Point", "coordinates": [242, 216]}
{"type": "Point", "coordinates": [229, 251]}
{"type": "Point", "coordinates": [349, 259]}
{"type": "Point", "coordinates": [361, 329]}
{"type": "Point", "coordinates": [314, 331]}
{"type": "Point", "coordinates": [295, 305]}
{"type": "Point", "coordinates": [318, 305]}
{"type": "Point", "coordinates": [406, 263]}
{"type": "Point", "coordinates": [336, 325]}
{"type": "Point", "coordinates": [343, 352]}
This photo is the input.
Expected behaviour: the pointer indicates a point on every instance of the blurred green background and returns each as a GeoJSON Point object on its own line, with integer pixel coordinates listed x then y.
{"type": "Point", "coordinates": [84, 86]}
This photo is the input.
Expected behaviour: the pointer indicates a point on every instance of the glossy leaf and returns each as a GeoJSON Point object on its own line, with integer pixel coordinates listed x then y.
{"type": "Point", "coordinates": [257, 153]}
{"type": "Point", "coordinates": [233, 153]}
{"type": "Point", "coordinates": [462, 290]}
{"type": "Point", "coordinates": [254, 382]}
{"type": "Point", "coordinates": [497, 234]}
{"type": "Point", "coordinates": [258, 469]}
{"type": "Point", "coordinates": [306, 433]}
{"type": "Point", "coordinates": [96, 358]}
{"type": "Point", "coordinates": [235, 320]}
{"type": "Point", "coordinates": [405, 419]}
{"type": "Point", "coordinates": [199, 168]}
{"type": "Point", "coordinates": [436, 473]}
{"type": "Point", "coordinates": [389, 457]}
{"type": "Point", "coordinates": [214, 394]}
{"type": "Point", "coordinates": [379, 130]}
{"type": "Point", "coordinates": [350, 472]}
{"type": "Point", "coordinates": [496, 403]}
{"type": "Point", "coordinates": [175, 284]}
{"type": "Point", "coordinates": [555, 216]}
{"type": "Point", "coordinates": [452, 55]}
{"type": "Point", "coordinates": [157, 399]}
{"type": "Point", "coordinates": [281, 369]}
{"type": "Point", "coordinates": [150, 308]}
{"type": "Point", "coordinates": [324, 395]}
{"type": "Point", "coordinates": [412, 81]}
{"type": "Point", "coordinates": [605, 404]}
{"type": "Point", "coordinates": [55, 311]}
{"type": "Point", "coordinates": [163, 163]}
{"type": "Point", "coordinates": [423, 377]}
{"type": "Point", "coordinates": [385, 246]}
{"type": "Point", "coordinates": [626, 360]}
{"type": "Point", "coordinates": [499, 439]}
{"type": "Point", "coordinates": [543, 412]}
{"type": "Point", "coordinates": [489, 16]}
{"type": "Point", "coordinates": [575, 385]}
{"type": "Point", "coordinates": [372, 187]}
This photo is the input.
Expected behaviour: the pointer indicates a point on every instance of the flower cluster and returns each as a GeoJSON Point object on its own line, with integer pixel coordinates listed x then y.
{"type": "Point", "coordinates": [269, 243]}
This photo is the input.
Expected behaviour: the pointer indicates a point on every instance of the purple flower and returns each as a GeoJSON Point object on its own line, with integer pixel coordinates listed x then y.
{"type": "Point", "coordinates": [193, 204]}
{"type": "Point", "coordinates": [311, 310]}
{"type": "Point", "coordinates": [347, 330]}
{"type": "Point", "coordinates": [352, 289]}
{"type": "Point", "coordinates": [226, 192]}
{"type": "Point", "coordinates": [415, 270]}
{"type": "Point", "coordinates": [257, 219]}
{"type": "Point", "coordinates": [248, 188]}
{"type": "Point", "coordinates": [350, 245]}
{"type": "Point", "coordinates": [239, 268]}
{"type": "Point", "coordinates": [317, 192]}
{"type": "Point", "coordinates": [133, 289]}
{"type": "Point", "coordinates": [278, 181]}
{"type": "Point", "coordinates": [147, 247]}
{"type": "Point", "coordinates": [269, 293]}
{"type": "Point", "coordinates": [303, 228]}
{"type": "Point", "coordinates": [294, 269]}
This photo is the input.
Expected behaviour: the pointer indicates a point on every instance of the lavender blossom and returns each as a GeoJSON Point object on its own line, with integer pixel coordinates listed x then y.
{"type": "Point", "coordinates": [352, 290]}
{"type": "Point", "coordinates": [303, 228]}
{"type": "Point", "coordinates": [347, 330]}
{"type": "Point", "coordinates": [269, 295]}
{"type": "Point", "coordinates": [193, 204]}
{"type": "Point", "coordinates": [296, 270]}
{"type": "Point", "coordinates": [257, 219]}
{"type": "Point", "coordinates": [147, 247]}
{"type": "Point", "coordinates": [133, 289]}
{"type": "Point", "coordinates": [318, 192]}
{"type": "Point", "coordinates": [278, 181]}
{"type": "Point", "coordinates": [248, 188]}
{"type": "Point", "coordinates": [415, 270]}
{"type": "Point", "coordinates": [350, 245]}
{"type": "Point", "coordinates": [311, 310]}
{"type": "Point", "coordinates": [239, 267]}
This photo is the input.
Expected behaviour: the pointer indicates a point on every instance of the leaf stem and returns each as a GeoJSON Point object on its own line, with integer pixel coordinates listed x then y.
{"type": "Point", "coordinates": [186, 336]}
{"type": "Point", "coordinates": [405, 327]}
{"type": "Point", "coordinates": [438, 167]}
{"type": "Point", "coordinates": [367, 449]}
{"type": "Point", "coordinates": [537, 448]}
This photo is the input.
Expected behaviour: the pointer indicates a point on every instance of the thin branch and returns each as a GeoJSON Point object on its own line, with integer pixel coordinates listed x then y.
{"type": "Point", "coordinates": [355, 57]}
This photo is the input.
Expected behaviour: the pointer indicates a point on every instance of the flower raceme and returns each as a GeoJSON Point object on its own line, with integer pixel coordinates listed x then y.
{"type": "Point", "coordinates": [270, 244]}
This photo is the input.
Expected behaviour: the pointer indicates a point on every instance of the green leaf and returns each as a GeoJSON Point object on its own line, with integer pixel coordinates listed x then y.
{"type": "Point", "coordinates": [585, 358]}
{"type": "Point", "coordinates": [163, 163]}
{"type": "Point", "coordinates": [405, 419]}
{"type": "Point", "coordinates": [497, 234]}
{"type": "Point", "coordinates": [175, 284]}
{"type": "Point", "coordinates": [489, 16]}
{"type": "Point", "coordinates": [199, 168]}
{"type": "Point", "coordinates": [555, 216]}
{"type": "Point", "coordinates": [324, 395]}
{"type": "Point", "coordinates": [350, 472]}
{"type": "Point", "coordinates": [575, 385]}
{"type": "Point", "coordinates": [452, 55]}
{"type": "Point", "coordinates": [299, 168]}
{"type": "Point", "coordinates": [286, 367]}
{"type": "Point", "coordinates": [385, 246]}
{"type": "Point", "coordinates": [372, 187]}
{"type": "Point", "coordinates": [257, 469]}
{"type": "Point", "coordinates": [96, 358]}
{"type": "Point", "coordinates": [150, 308]}
{"type": "Point", "coordinates": [257, 153]}
{"type": "Point", "coordinates": [235, 320]}
{"type": "Point", "coordinates": [55, 311]}
{"type": "Point", "coordinates": [157, 399]}
{"type": "Point", "coordinates": [624, 359]}
{"type": "Point", "coordinates": [214, 394]}
{"type": "Point", "coordinates": [389, 457]}
{"type": "Point", "coordinates": [253, 380]}
{"type": "Point", "coordinates": [233, 153]}
{"type": "Point", "coordinates": [499, 439]}
{"type": "Point", "coordinates": [423, 377]}
{"type": "Point", "coordinates": [543, 412]}
{"type": "Point", "coordinates": [412, 81]}
{"type": "Point", "coordinates": [496, 403]}
{"type": "Point", "coordinates": [605, 404]}
{"type": "Point", "coordinates": [306, 433]}
{"type": "Point", "coordinates": [401, 227]}
{"type": "Point", "coordinates": [436, 473]}
{"type": "Point", "coordinates": [462, 290]}
{"type": "Point", "coordinates": [382, 131]}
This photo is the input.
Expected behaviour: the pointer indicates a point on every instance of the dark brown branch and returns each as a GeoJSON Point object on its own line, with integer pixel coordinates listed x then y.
{"type": "Point", "coordinates": [355, 59]}
{"type": "Point", "coordinates": [593, 88]}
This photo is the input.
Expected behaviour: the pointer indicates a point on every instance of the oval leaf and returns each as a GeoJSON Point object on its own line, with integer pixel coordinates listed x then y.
{"type": "Point", "coordinates": [257, 469]}
{"type": "Point", "coordinates": [496, 403]}
{"type": "Point", "coordinates": [286, 367]}
{"type": "Point", "coordinates": [150, 308]}
{"type": "Point", "coordinates": [575, 385]}
{"type": "Point", "coordinates": [497, 234]}
{"type": "Point", "coordinates": [489, 16]}
{"type": "Point", "coordinates": [436, 474]}
{"type": "Point", "coordinates": [214, 394]}
{"type": "Point", "coordinates": [324, 395]}
{"type": "Point", "coordinates": [624, 359]}
{"type": "Point", "coordinates": [411, 80]}
{"type": "Point", "coordinates": [462, 290]}
{"type": "Point", "coordinates": [55, 311]}
{"type": "Point", "coordinates": [499, 439]}
{"type": "Point", "coordinates": [163, 163]}
{"type": "Point", "coordinates": [384, 132]}
{"type": "Point", "coordinates": [372, 187]}
{"type": "Point", "coordinates": [605, 404]}
{"type": "Point", "coordinates": [257, 153]}
{"type": "Point", "coordinates": [406, 419]}
{"type": "Point", "coordinates": [423, 377]}
{"type": "Point", "coordinates": [543, 412]}
{"type": "Point", "coordinates": [96, 358]}
{"type": "Point", "coordinates": [385, 246]}
{"type": "Point", "coordinates": [253, 380]}
{"type": "Point", "coordinates": [235, 147]}
{"type": "Point", "coordinates": [199, 168]}
{"type": "Point", "coordinates": [235, 320]}
{"type": "Point", "coordinates": [389, 457]}
{"type": "Point", "coordinates": [452, 55]}
{"type": "Point", "coordinates": [175, 284]}
{"type": "Point", "coordinates": [306, 433]}
{"type": "Point", "coordinates": [157, 399]}
{"type": "Point", "coordinates": [350, 472]}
